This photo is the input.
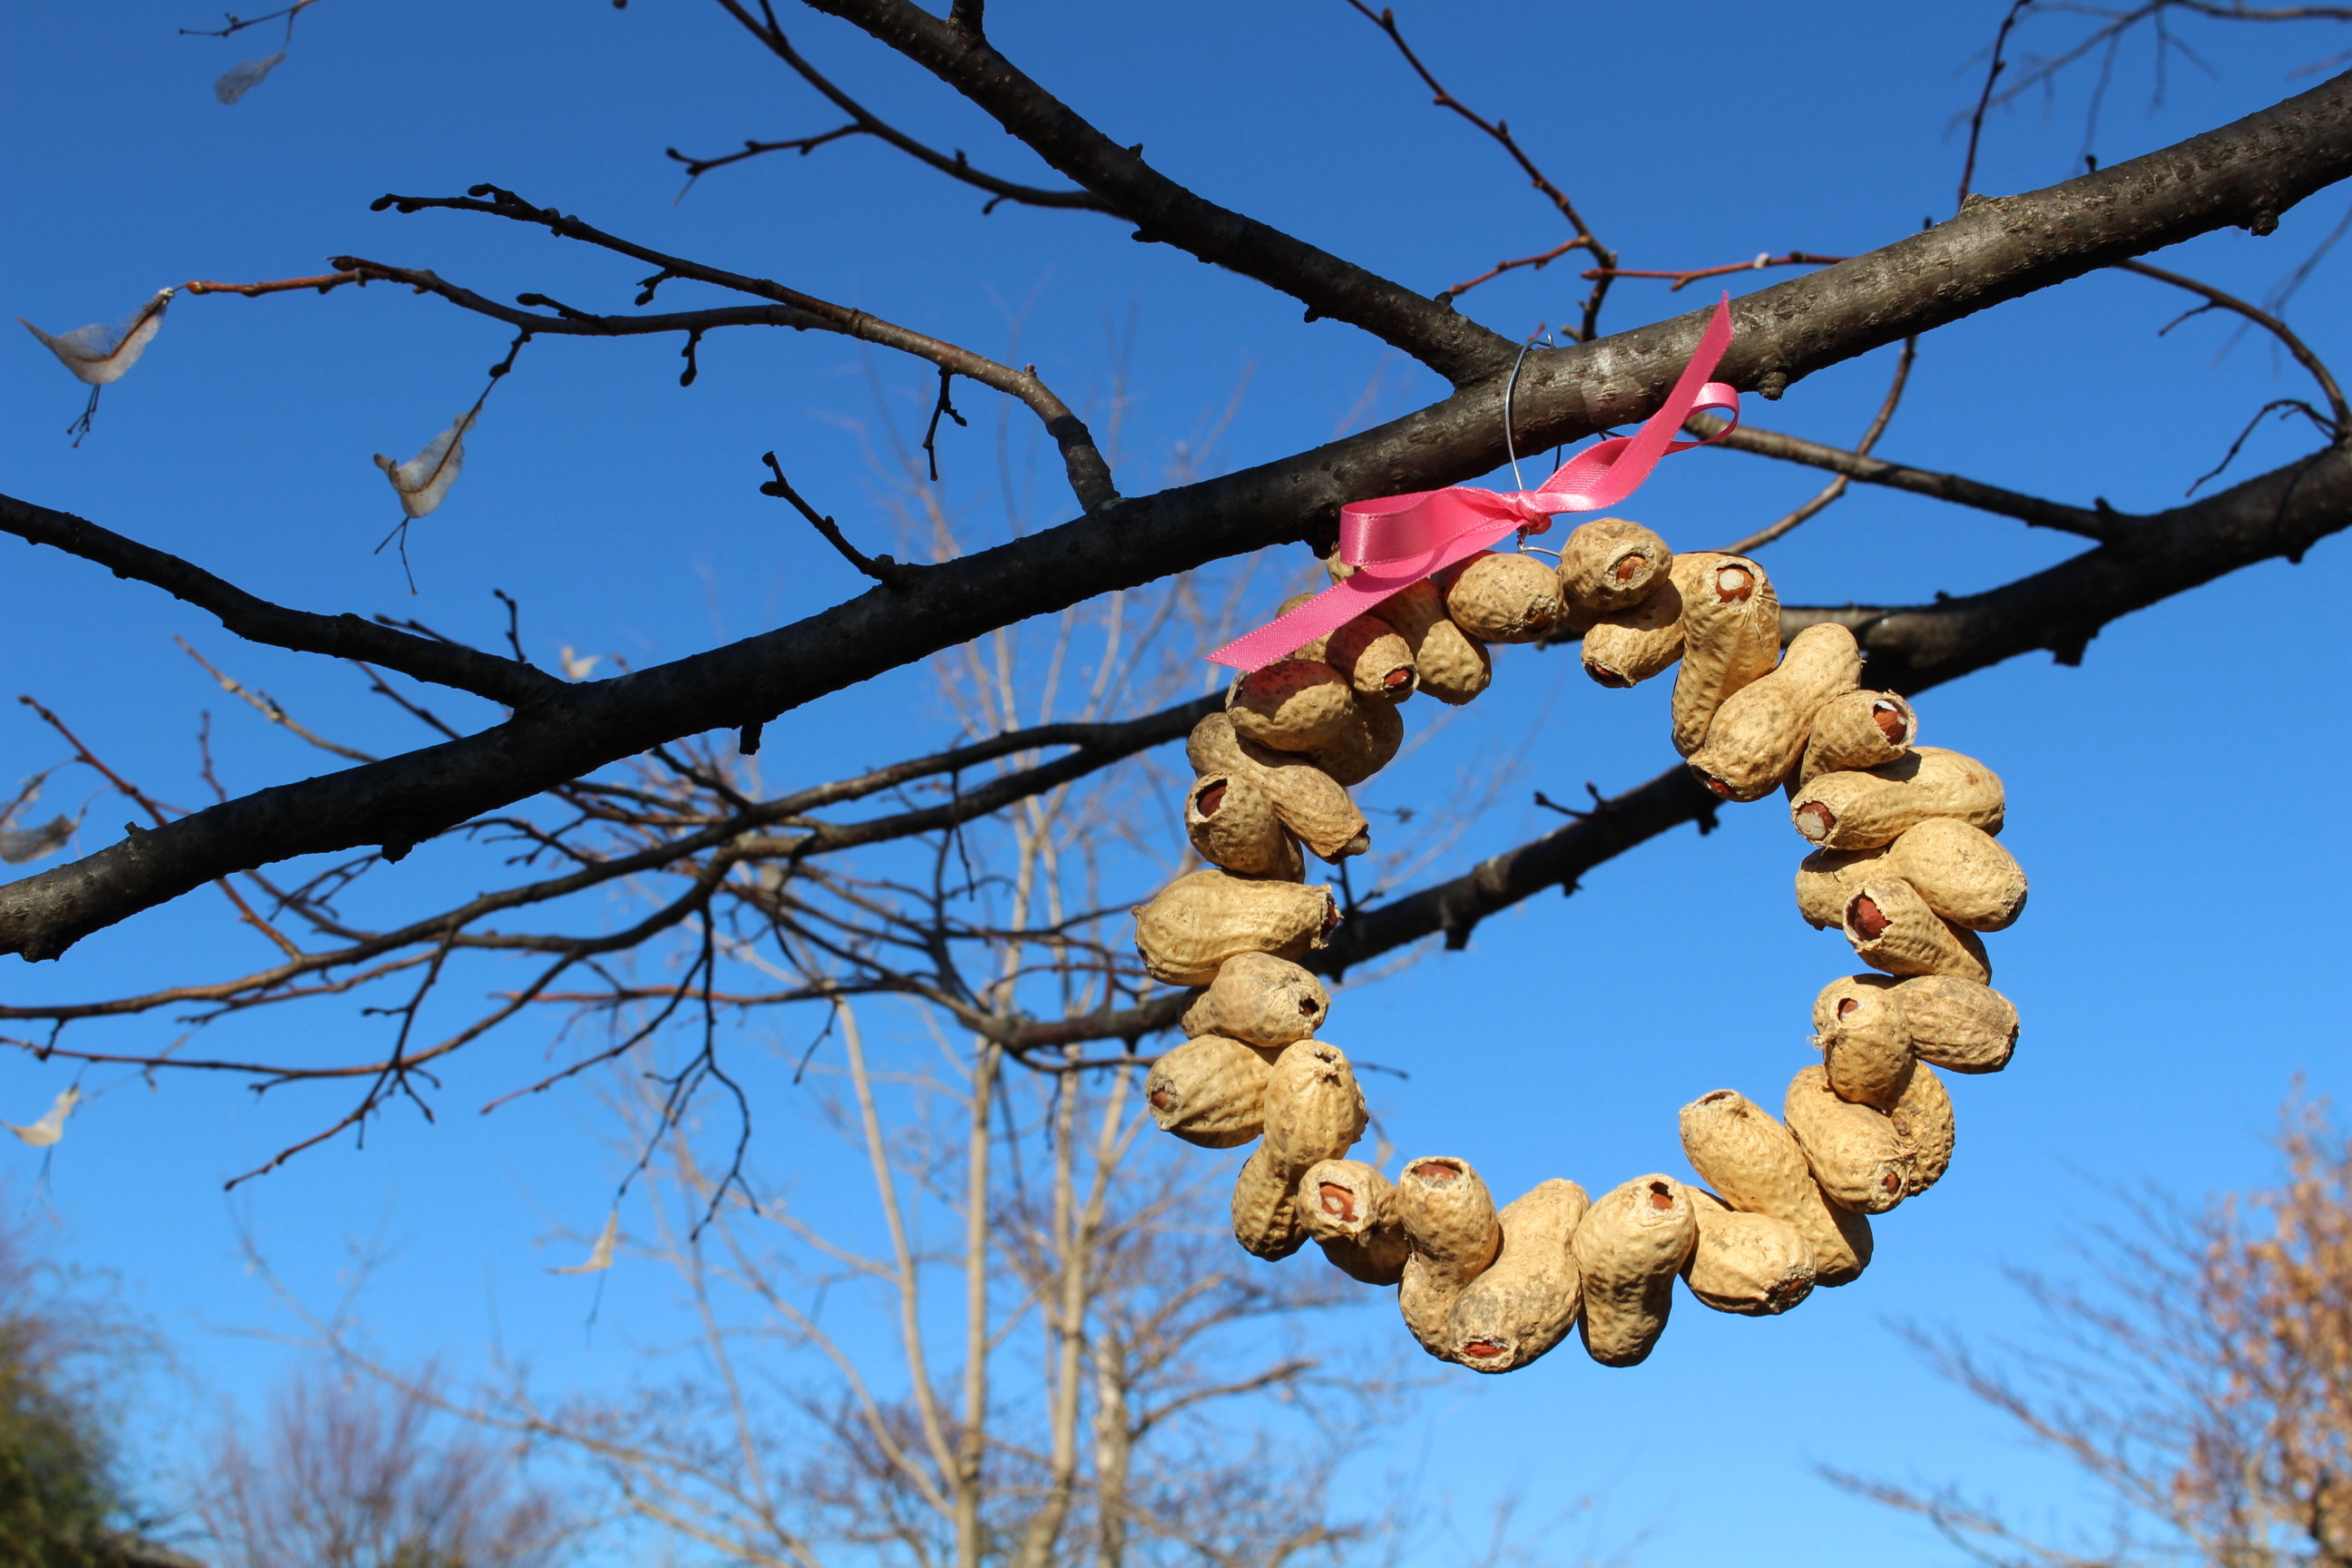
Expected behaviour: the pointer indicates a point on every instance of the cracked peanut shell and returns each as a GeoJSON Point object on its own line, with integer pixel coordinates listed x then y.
{"type": "Point", "coordinates": [1758, 732]}
{"type": "Point", "coordinates": [1500, 596]}
{"type": "Point", "coordinates": [1893, 929]}
{"type": "Point", "coordinates": [1859, 730]}
{"type": "Point", "coordinates": [1959, 1025]}
{"type": "Point", "coordinates": [1865, 1034]}
{"type": "Point", "coordinates": [1525, 1303]}
{"type": "Point", "coordinates": [1449, 1220]}
{"type": "Point", "coordinates": [1751, 1263]}
{"type": "Point", "coordinates": [1198, 921]}
{"type": "Point", "coordinates": [1313, 1109]}
{"type": "Point", "coordinates": [1743, 1153]}
{"type": "Point", "coordinates": [1826, 878]}
{"type": "Point", "coordinates": [1376, 659]}
{"type": "Point", "coordinates": [1350, 1210]}
{"type": "Point", "coordinates": [1852, 1150]}
{"type": "Point", "coordinates": [1209, 1091]}
{"type": "Point", "coordinates": [1731, 636]}
{"type": "Point", "coordinates": [1260, 1000]}
{"type": "Point", "coordinates": [1870, 808]}
{"type": "Point", "coordinates": [1311, 804]}
{"type": "Point", "coordinates": [1610, 564]}
{"type": "Point", "coordinates": [1232, 822]}
{"type": "Point", "coordinates": [1627, 647]}
{"type": "Point", "coordinates": [1629, 1249]}
{"type": "Point", "coordinates": [1291, 705]}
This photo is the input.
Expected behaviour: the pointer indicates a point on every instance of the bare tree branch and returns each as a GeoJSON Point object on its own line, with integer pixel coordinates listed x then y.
{"type": "Point", "coordinates": [2243, 173]}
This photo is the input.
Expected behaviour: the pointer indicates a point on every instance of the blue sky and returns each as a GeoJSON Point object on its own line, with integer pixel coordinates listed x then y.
{"type": "Point", "coordinates": [2171, 798]}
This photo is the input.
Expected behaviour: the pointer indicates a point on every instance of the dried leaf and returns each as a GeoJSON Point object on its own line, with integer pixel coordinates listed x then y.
{"type": "Point", "coordinates": [18, 845]}
{"type": "Point", "coordinates": [52, 1125]}
{"type": "Point", "coordinates": [243, 77]}
{"type": "Point", "coordinates": [424, 480]}
{"type": "Point", "coordinates": [578, 666]}
{"type": "Point", "coordinates": [600, 1257]}
{"type": "Point", "coordinates": [99, 354]}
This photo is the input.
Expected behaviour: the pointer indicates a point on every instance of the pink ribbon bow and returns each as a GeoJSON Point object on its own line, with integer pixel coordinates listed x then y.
{"type": "Point", "coordinates": [1396, 541]}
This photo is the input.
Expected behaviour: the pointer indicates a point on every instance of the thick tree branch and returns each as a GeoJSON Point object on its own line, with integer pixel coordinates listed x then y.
{"type": "Point", "coordinates": [2244, 173]}
{"type": "Point", "coordinates": [1909, 649]}
{"type": "Point", "coordinates": [517, 685]}
{"type": "Point", "coordinates": [1166, 212]}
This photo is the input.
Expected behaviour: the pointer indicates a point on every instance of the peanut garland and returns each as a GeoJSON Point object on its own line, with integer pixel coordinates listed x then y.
{"type": "Point", "coordinates": [1904, 860]}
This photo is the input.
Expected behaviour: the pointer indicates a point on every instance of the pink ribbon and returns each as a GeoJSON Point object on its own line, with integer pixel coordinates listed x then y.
{"type": "Point", "coordinates": [1394, 541]}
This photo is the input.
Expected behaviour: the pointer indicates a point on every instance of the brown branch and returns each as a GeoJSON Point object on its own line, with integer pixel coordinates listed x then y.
{"type": "Point", "coordinates": [1683, 279]}
{"type": "Point", "coordinates": [324, 282]}
{"type": "Point", "coordinates": [2089, 522]}
{"type": "Point", "coordinates": [1499, 132]}
{"type": "Point", "coordinates": [2304, 356]}
{"type": "Point", "coordinates": [1094, 746]}
{"type": "Point", "coordinates": [258, 620]}
{"type": "Point", "coordinates": [1829, 493]}
{"type": "Point", "coordinates": [881, 568]}
{"type": "Point", "coordinates": [1089, 474]}
{"type": "Point", "coordinates": [865, 121]}
{"type": "Point", "coordinates": [2244, 173]}
{"type": "Point", "coordinates": [1165, 211]}
{"type": "Point", "coordinates": [698, 167]}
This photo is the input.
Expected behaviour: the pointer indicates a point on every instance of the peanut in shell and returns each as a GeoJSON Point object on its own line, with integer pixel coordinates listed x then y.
{"type": "Point", "coordinates": [1610, 564]}
{"type": "Point", "coordinates": [1292, 705]}
{"type": "Point", "coordinates": [1865, 1034]}
{"type": "Point", "coordinates": [1198, 921]}
{"type": "Point", "coordinates": [1826, 878]}
{"type": "Point", "coordinates": [1350, 1210]}
{"type": "Point", "coordinates": [1923, 1121]}
{"type": "Point", "coordinates": [1500, 596]}
{"type": "Point", "coordinates": [1449, 1220]}
{"type": "Point", "coordinates": [1260, 1000]}
{"type": "Point", "coordinates": [1310, 802]}
{"type": "Point", "coordinates": [1209, 1091]}
{"type": "Point", "coordinates": [1377, 661]}
{"type": "Point", "coordinates": [1854, 1151]}
{"type": "Point", "coordinates": [1731, 636]}
{"type": "Point", "coordinates": [1959, 1025]}
{"type": "Point", "coordinates": [1894, 931]}
{"type": "Point", "coordinates": [1744, 1154]}
{"type": "Point", "coordinates": [1212, 747]}
{"type": "Point", "coordinates": [1962, 871]}
{"type": "Point", "coordinates": [1869, 808]}
{"type": "Point", "coordinates": [1859, 730]}
{"type": "Point", "coordinates": [1627, 647]}
{"type": "Point", "coordinates": [1524, 1302]}
{"type": "Point", "coordinates": [1313, 1108]}
{"type": "Point", "coordinates": [1232, 822]}
{"type": "Point", "coordinates": [1751, 1263]}
{"type": "Point", "coordinates": [1758, 732]}
{"type": "Point", "coordinates": [1266, 1221]}
{"type": "Point", "coordinates": [1367, 747]}
{"type": "Point", "coordinates": [1453, 665]}
{"type": "Point", "coordinates": [1629, 1249]}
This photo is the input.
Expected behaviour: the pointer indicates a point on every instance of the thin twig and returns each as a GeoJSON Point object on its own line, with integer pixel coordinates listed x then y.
{"type": "Point", "coordinates": [1837, 487]}
{"type": "Point", "coordinates": [890, 574]}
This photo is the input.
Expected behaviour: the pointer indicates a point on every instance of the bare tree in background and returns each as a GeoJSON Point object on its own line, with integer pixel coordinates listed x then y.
{"type": "Point", "coordinates": [2202, 1380]}
{"type": "Point", "coordinates": [359, 1474]}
